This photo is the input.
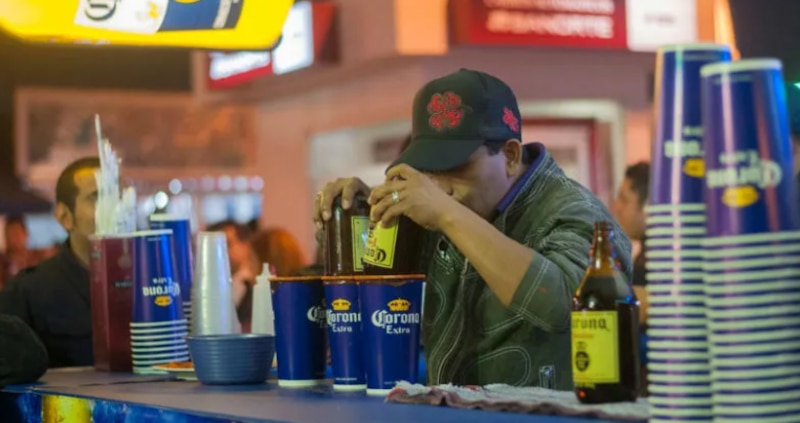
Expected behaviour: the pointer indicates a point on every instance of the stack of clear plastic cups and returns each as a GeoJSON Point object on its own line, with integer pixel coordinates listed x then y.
{"type": "Point", "coordinates": [214, 310]}
{"type": "Point", "coordinates": [679, 372]}
{"type": "Point", "coordinates": [752, 263]}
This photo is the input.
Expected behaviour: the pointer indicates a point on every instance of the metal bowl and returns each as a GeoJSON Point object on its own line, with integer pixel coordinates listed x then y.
{"type": "Point", "coordinates": [232, 359]}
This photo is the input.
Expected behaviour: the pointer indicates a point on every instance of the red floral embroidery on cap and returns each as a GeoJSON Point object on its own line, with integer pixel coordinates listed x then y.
{"type": "Point", "coordinates": [510, 119]}
{"type": "Point", "coordinates": [446, 111]}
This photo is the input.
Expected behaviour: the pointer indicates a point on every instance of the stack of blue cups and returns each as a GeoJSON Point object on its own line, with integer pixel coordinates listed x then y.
{"type": "Point", "coordinates": [752, 263]}
{"type": "Point", "coordinates": [158, 327]}
{"type": "Point", "coordinates": [182, 251]}
{"type": "Point", "coordinates": [679, 372]}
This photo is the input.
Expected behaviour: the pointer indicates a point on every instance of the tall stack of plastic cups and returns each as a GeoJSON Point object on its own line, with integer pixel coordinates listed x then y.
{"type": "Point", "coordinates": [213, 307]}
{"type": "Point", "coordinates": [678, 359]}
{"type": "Point", "coordinates": [182, 248]}
{"type": "Point", "coordinates": [158, 328]}
{"type": "Point", "coordinates": [752, 265]}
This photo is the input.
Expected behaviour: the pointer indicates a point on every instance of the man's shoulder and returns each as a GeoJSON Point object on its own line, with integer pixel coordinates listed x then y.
{"type": "Point", "coordinates": [36, 275]}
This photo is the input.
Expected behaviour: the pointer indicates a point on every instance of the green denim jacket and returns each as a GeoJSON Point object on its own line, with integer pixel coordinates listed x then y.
{"type": "Point", "coordinates": [470, 337]}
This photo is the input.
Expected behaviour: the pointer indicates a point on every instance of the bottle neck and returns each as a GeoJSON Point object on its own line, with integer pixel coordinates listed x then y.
{"type": "Point", "coordinates": [602, 256]}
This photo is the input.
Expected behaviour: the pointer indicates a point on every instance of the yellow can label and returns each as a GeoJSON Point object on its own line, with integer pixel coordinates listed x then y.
{"type": "Point", "coordinates": [595, 347]}
{"type": "Point", "coordinates": [359, 226]}
{"type": "Point", "coordinates": [381, 244]}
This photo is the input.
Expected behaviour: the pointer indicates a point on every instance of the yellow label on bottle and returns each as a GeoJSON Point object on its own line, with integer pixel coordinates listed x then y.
{"type": "Point", "coordinates": [595, 347]}
{"type": "Point", "coordinates": [359, 226]}
{"type": "Point", "coordinates": [381, 244]}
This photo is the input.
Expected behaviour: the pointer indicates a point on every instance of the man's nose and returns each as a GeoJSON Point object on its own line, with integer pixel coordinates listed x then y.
{"type": "Point", "coordinates": [443, 184]}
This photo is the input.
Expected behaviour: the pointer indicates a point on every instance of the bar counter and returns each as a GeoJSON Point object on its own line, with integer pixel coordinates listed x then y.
{"type": "Point", "coordinates": [84, 395]}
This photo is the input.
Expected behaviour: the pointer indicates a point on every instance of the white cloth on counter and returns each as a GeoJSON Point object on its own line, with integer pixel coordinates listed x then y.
{"type": "Point", "coordinates": [531, 400]}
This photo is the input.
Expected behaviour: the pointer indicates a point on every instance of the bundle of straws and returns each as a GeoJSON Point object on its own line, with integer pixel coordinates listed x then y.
{"type": "Point", "coordinates": [114, 213]}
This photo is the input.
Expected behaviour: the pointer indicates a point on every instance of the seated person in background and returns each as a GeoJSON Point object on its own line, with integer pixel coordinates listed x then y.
{"type": "Point", "coordinates": [280, 249]}
{"type": "Point", "coordinates": [17, 255]}
{"type": "Point", "coordinates": [629, 212]}
{"type": "Point", "coordinates": [23, 358]}
{"type": "Point", "coordinates": [53, 298]}
{"type": "Point", "coordinates": [510, 235]}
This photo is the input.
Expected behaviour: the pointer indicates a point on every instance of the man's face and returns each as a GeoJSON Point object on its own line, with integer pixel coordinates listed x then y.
{"type": "Point", "coordinates": [480, 183]}
{"type": "Point", "coordinates": [629, 211]}
{"type": "Point", "coordinates": [79, 223]}
{"type": "Point", "coordinates": [16, 237]}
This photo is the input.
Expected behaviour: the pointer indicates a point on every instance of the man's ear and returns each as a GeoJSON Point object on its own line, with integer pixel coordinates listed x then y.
{"type": "Point", "coordinates": [64, 216]}
{"type": "Point", "coordinates": [512, 149]}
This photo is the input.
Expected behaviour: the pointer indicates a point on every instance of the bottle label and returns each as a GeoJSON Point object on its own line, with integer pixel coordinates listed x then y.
{"type": "Point", "coordinates": [359, 225]}
{"type": "Point", "coordinates": [381, 244]}
{"type": "Point", "coordinates": [595, 347]}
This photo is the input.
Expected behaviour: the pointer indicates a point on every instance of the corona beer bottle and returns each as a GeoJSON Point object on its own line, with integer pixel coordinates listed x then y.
{"type": "Point", "coordinates": [605, 328]}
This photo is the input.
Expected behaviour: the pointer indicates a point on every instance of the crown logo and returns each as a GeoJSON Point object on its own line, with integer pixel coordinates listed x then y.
{"type": "Point", "coordinates": [340, 304]}
{"type": "Point", "coordinates": [399, 305]}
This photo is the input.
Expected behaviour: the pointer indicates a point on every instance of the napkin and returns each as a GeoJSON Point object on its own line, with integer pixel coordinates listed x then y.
{"type": "Point", "coordinates": [531, 400]}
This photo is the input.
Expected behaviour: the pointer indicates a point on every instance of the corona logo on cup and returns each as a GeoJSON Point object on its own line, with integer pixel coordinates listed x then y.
{"type": "Point", "coordinates": [163, 300]}
{"type": "Point", "coordinates": [317, 314]}
{"type": "Point", "coordinates": [340, 304]}
{"type": "Point", "coordinates": [396, 320]}
{"type": "Point", "coordinates": [340, 319]}
{"type": "Point", "coordinates": [744, 174]}
{"type": "Point", "coordinates": [399, 305]}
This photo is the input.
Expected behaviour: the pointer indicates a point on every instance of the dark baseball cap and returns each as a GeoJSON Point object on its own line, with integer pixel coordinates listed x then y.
{"type": "Point", "coordinates": [456, 114]}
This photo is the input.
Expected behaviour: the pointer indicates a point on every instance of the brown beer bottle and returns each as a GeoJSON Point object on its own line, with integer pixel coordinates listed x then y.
{"type": "Point", "coordinates": [605, 328]}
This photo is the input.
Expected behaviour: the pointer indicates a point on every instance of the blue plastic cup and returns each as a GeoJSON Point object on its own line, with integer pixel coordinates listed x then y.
{"type": "Point", "coordinates": [678, 166]}
{"type": "Point", "coordinates": [182, 248]}
{"type": "Point", "coordinates": [156, 293]}
{"type": "Point", "coordinates": [343, 316]}
{"type": "Point", "coordinates": [750, 181]}
{"type": "Point", "coordinates": [299, 304]}
{"type": "Point", "coordinates": [391, 312]}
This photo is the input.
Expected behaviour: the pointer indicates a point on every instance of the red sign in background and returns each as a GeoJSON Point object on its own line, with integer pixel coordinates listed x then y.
{"type": "Point", "coordinates": [556, 23]}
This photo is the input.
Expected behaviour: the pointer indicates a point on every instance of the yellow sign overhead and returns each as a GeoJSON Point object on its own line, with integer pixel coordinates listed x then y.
{"type": "Point", "coordinates": [206, 24]}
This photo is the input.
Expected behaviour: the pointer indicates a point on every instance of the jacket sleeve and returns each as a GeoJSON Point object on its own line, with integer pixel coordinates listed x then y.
{"type": "Point", "coordinates": [23, 357]}
{"type": "Point", "coordinates": [544, 296]}
{"type": "Point", "coordinates": [14, 301]}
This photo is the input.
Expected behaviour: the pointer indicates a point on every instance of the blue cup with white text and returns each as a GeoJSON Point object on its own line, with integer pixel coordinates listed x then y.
{"type": "Point", "coordinates": [156, 293]}
{"type": "Point", "coordinates": [344, 334]}
{"type": "Point", "coordinates": [750, 180]}
{"type": "Point", "coordinates": [182, 248]}
{"type": "Point", "coordinates": [391, 314]}
{"type": "Point", "coordinates": [678, 148]}
{"type": "Point", "coordinates": [299, 304]}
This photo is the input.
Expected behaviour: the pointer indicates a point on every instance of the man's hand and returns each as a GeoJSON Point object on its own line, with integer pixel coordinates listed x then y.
{"type": "Point", "coordinates": [346, 187]}
{"type": "Point", "coordinates": [413, 194]}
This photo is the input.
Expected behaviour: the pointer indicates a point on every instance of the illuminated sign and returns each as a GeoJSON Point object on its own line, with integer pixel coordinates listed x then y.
{"type": "Point", "coordinates": [210, 24]}
{"type": "Point", "coordinates": [305, 34]}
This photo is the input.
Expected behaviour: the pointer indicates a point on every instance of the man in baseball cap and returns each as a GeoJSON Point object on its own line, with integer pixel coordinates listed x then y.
{"type": "Point", "coordinates": [510, 235]}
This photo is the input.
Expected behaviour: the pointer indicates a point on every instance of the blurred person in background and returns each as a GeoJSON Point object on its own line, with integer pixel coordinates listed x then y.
{"type": "Point", "coordinates": [244, 267]}
{"type": "Point", "coordinates": [280, 249]}
{"type": "Point", "coordinates": [53, 298]}
{"type": "Point", "coordinates": [629, 211]}
{"type": "Point", "coordinates": [17, 255]}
